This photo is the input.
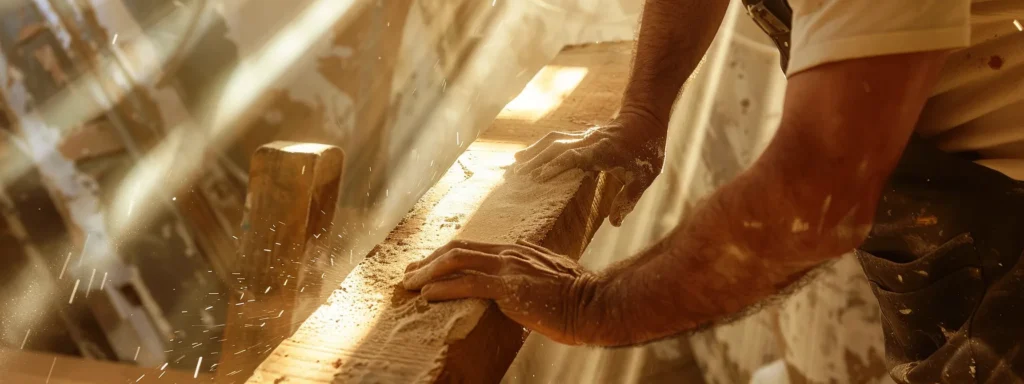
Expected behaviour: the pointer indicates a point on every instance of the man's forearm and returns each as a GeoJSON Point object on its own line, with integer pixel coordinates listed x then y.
{"type": "Point", "coordinates": [751, 238]}
{"type": "Point", "coordinates": [811, 196]}
{"type": "Point", "coordinates": [674, 35]}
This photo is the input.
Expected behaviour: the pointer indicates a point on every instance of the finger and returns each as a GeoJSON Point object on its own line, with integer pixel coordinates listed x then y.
{"type": "Point", "coordinates": [434, 255]}
{"type": "Point", "coordinates": [492, 248]}
{"type": "Point", "coordinates": [462, 287]}
{"type": "Point", "coordinates": [538, 147]}
{"type": "Point", "coordinates": [455, 261]}
{"type": "Point", "coordinates": [550, 153]}
{"type": "Point", "coordinates": [535, 247]}
{"type": "Point", "coordinates": [570, 159]}
{"type": "Point", "coordinates": [600, 156]}
{"type": "Point", "coordinates": [626, 200]}
{"type": "Point", "coordinates": [556, 149]}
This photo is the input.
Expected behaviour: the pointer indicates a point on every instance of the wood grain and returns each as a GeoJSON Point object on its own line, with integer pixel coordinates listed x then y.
{"type": "Point", "coordinates": [373, 330]}
{"type": "Point", "coordinates": [293, 191]}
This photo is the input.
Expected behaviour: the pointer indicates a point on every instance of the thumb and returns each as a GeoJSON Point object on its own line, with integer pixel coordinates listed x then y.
{"type": "Point", "coordinates": [626, 200]}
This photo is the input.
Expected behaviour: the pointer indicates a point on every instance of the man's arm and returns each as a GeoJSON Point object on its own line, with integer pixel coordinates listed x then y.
{"type": "Point", "coordinates": [811, 196]}
{"type": "Point", "coordinates": [674, 35]}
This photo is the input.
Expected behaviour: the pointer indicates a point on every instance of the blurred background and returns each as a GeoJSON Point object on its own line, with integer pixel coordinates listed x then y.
{"type": "Point", "coordinates": [127, 127]}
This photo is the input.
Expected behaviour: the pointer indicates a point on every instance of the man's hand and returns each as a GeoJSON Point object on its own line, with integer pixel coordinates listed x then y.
{"type": "Point", "coordinates": [629, 148]}
{"type": "Point", "coordinates": [532, 285]}
{"type": "Point", "coordinates": [673, 37]}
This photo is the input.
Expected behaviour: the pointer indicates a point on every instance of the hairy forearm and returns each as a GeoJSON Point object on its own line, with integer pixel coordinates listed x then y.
{"type": "Point", "coordinates": [747, 241]}
{"type": "Point", "coordinates": [674, 35]}
{"type": "Point", "coordinates": [811, 196]}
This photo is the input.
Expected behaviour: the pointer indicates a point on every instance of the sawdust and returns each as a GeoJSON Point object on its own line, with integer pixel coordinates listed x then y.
{"type": "Point", "coordinates": [522, 209]}
{"type": "Point", "coordinates": [371, 318]}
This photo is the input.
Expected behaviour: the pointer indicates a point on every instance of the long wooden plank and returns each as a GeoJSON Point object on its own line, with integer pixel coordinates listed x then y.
{"type": "Point", "coordinates": [372, 330]}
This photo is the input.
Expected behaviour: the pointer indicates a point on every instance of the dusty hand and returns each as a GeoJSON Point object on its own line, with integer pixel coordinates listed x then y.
{"type": "Point", "coordinates": [533, 286]}
{"type": "Point", "coordinates": [629, 148]}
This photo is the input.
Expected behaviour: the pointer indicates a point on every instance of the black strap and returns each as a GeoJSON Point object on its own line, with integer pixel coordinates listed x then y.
{"type": "Point", "coordinates": [775, 18]}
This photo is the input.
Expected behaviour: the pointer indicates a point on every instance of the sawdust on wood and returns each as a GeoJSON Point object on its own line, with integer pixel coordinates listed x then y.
{"type": "Point", "coordinates": [372, 329]}
{"type": "Point", "coordinates": [371, 319]}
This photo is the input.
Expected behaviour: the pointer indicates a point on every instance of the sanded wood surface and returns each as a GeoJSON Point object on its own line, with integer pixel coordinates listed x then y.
{"type": "Point", "coordinates": [293, 190]}
{"type": "Point", "coordinates": [585, 83]}
{"type": "Point", "coordinates": [373, 330]}
{"type": "Point", "coordinates": [20, 366]}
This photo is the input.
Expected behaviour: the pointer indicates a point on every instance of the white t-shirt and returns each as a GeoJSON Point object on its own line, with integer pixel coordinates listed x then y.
{"type": "Point", "coordinates": [978, 104]}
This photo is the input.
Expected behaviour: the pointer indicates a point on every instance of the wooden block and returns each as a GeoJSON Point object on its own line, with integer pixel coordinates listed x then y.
{"type": "Point", "coordinates": [20, 366]}
{"type": "Point", "coordinates": [373, 330]}
{"type": "Point", "coordinates": [293, 190]}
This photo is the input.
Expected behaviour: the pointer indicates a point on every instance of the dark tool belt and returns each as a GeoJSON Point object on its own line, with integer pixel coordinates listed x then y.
{"type": "Point", "coordinates": [943, 258]}
{"type": "Point", "coordinates": [944, 261]}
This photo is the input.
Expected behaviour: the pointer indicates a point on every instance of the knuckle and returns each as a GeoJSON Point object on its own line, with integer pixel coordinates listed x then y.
{"type": "Point", "coordinates": [412, 266]}
{"type": "Point", "coordinates": [447, 260]}
{"type": "Point", "coordinates": [444, 249]}
{"type": "Point", "coordinates": [457, 256]}
{"type": "Point", "coordinates": [508, 254]}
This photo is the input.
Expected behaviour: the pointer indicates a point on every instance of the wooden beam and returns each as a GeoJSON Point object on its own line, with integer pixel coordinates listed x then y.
{"type": "Point", "coordinates": [21, 366]}
{"type": "Point", "coordinates": [91, 139]}
{"type": "Point", "coordinates": [293, 190]}
{"type": "Point", "coordinates": [373, 330]}
{"type": "Point", "coordinates": [212, 206]}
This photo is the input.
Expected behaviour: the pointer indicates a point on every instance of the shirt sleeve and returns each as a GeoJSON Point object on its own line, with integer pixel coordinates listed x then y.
{"type": "Point", "coordinates": [826, 31]}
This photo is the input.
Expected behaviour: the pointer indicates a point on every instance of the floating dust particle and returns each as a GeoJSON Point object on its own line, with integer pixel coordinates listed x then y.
{"type": "Point", "coordinates": [927, 220]}
{"type": "Point", "coordinates": [800, 226]}
{"type": "Point", "coordinates": [995, 62]}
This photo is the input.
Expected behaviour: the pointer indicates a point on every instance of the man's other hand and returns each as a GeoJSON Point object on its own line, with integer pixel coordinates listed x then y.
{"type": "Point", "coordinates": [532, 285]}
{"type": "Point", "coordinates": [630, 148]}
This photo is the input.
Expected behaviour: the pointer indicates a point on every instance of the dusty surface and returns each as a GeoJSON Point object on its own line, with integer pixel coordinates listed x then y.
{"type": "Point", "coordinates": [372, 330]}
{"type": "Point", "coordinates": [408, 338]}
